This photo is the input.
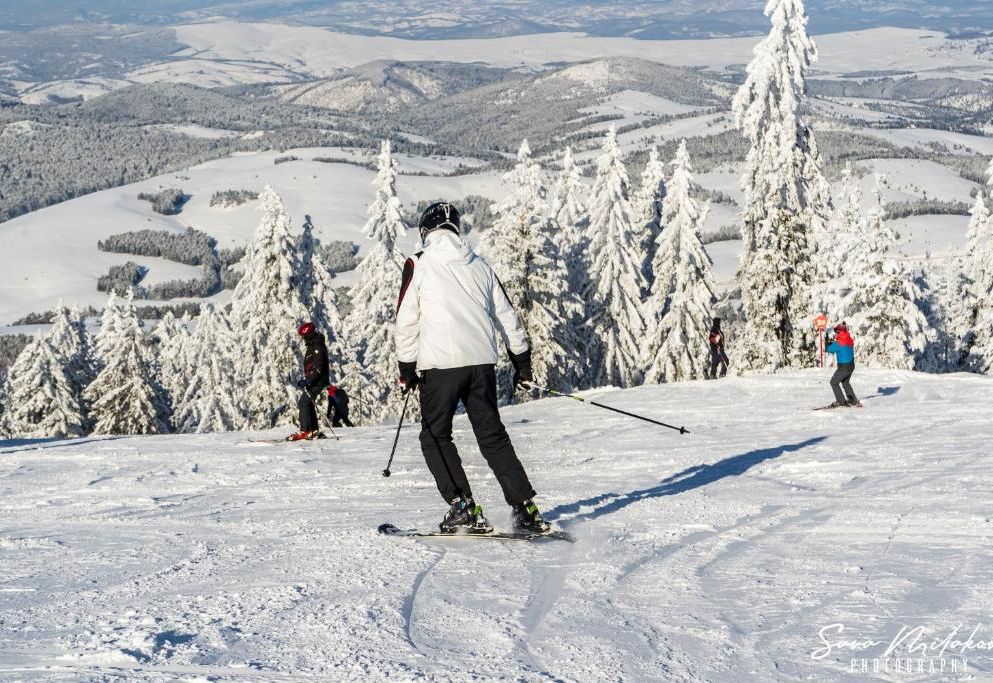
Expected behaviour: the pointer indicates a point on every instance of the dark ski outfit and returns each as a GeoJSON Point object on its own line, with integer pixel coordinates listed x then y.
{"type": "Point", "coordinates": [317, 376]}
{"type": "Point", "coordinates": [450, 309]}
{"type": "Point", "coordinates": [338, 407]}
{"type": "Point", "coordinates": [717, 355]}
{"type": "Point", "coordinates": [843, 346]}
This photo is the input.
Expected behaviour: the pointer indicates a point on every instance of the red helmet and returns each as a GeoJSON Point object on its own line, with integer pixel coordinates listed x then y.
{"type": "Point", "coordinates": [332, 390]}
{"type": "Point", "coordinates": [305, 329]}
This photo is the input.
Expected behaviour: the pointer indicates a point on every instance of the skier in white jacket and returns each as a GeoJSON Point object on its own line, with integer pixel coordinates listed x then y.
{"type": "Point", "coordinates": [450, 309]}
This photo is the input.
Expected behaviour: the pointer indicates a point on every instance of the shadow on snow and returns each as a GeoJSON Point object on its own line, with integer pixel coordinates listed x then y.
{"type": "Point", "coordinates": [687, 480]}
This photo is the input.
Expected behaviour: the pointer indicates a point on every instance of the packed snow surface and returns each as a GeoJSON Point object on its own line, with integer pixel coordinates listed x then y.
{"type": "Point", "coordinates": [731, 553]}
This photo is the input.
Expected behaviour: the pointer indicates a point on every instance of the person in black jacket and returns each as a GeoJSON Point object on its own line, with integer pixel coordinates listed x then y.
{"type": "Point", "coordinates": [338, 407]}
{"type": "Point", "coordinates": [717, 355]}
{"type": "Point", "coordinates": [317, 376]}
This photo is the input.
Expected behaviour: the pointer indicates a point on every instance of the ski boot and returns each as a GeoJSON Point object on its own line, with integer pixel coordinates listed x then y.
{"type": "Point", "coordinates": [305, 436]}
{"type": "Point", "coordinates": [527, 518]}
{"type": "Point", "coordinates": [464, 516]}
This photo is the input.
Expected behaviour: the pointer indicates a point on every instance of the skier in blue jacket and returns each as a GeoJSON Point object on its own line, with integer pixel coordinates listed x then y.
{"type": "Point", "coordinates": [843, 347]}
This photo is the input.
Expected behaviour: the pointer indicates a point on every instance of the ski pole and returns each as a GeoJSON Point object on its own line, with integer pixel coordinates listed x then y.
{"type": "Point", "coordinates": [681, 430]}
{"type": "Point", "coordinates": [396, 439]}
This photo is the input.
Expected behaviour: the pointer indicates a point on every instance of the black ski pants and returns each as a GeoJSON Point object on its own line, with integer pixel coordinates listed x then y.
{"type": "Point", "coordinates": [475, 386]}
{"type": "Point", "coordinates": [840, 380]}
{"type": "Point", "coordinates": [308, 413]}
{"type": "Point", "coordinates": [718, 357]}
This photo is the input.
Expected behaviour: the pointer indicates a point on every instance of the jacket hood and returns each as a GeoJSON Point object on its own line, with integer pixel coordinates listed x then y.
{"type": "Point", "coordinates": [844, 338]}
{"type": "Point", "coordinates": [448, 246]}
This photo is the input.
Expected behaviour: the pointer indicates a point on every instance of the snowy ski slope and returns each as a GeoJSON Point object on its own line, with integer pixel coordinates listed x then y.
{"type": "Point", "coordinates": [716, 556]}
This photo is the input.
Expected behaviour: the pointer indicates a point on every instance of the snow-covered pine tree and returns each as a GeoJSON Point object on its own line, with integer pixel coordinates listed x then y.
{"type": "Point", "coordinates": [882, 307]}
{"type": "Point", "coordinates": [838, 241]}
{"type": "Point", "coordinates": [86, 349]}
{"type": "Point", "coordinates": [71, 341]}
{"type": "Point", "coordinates": [943, 307]}
{"type": "Point", "coordinates": [977, 342]}
{"type": "Point", "coordinates": [615, 260]}
{"type": "Point", "coordinates": [569, 212]}
{"type": "Point", "coordinates": [372, 377]}
{"type": "Point", "coordinates": [568, 208]}
{"type": "Point", "coordinates": [647, 206]}
{"type": "Point", "coordinates": [679, 308]}
{"type": "Point", "coordinates": [521, 248]}
{"type": "Point", "coordinates": [784, 197]}
{"type": "Point", "coordinates": [321, 298]}
{"type": "Point", "coordinates": [503, 245]}
{"type": "Point", "coordinates": [126, 397]}
{"type": "Point", "coordinates": [41, 399]}
{"type": "Point", "coordinates": [266, 308]}
{"type": "Point", "coordinates": [210, 401]}
{"type": "Point", "coordinates": [173, 359]}
{"type": "Point", "coordinates": [109, 322]}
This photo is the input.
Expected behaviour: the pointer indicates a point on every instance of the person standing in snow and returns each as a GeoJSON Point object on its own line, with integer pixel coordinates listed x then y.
{"type": "Point", "coordinates": [843, 346]}
{"type": "Point", "coordinates": [450, 307]}
{"type": "Point", "coordinates": [316, 375]}
{"type": "Point", "coordinates": [717, 354]}
{"type": "Point", "coordinates": [338, 407]}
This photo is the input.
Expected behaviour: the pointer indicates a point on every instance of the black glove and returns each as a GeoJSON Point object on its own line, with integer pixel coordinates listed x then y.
{"type": "Point", "coordinates": [522, 369]}
{"type": "Point", "coordinates": [408, 376]}
{"type": "Point", "coordinates": [301, 384]}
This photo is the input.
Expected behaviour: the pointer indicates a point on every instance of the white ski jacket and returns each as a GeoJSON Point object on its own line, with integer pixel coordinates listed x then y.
{"type": "Point", "coordinates": [451, 304]}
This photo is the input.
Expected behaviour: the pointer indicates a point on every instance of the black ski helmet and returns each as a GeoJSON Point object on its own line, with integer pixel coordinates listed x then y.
{"type": "Point", "coordinates": [439, 215]}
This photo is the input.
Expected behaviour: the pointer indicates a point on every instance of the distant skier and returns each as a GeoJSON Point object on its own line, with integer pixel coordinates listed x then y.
{"type": "Point", "coordinates": [338, 407]}
{"type": "Point", "coordinates": [316, 377]}
{"type": "Point", "coordinates": [450, 307]}
{"type": "Point", "coordinates": [717, 354]}
{"type": "Point", "coordinates": [843, 346]}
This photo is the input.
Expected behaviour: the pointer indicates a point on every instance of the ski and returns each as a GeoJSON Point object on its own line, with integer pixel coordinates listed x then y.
{"type": "Point", "coordinates": [555, 534]}
{"type": "Point", "coordinates": [833, 407]}
{"type": "Point", "coordinates": [287, 440]}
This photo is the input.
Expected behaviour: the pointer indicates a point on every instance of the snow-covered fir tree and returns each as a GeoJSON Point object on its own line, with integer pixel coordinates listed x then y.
{"type": "Point", "coordinates": [882, 308]}
{"type": "Point", "coordinates": [567, 207]}
{"type": "Point", "coordinates": [521, 246]}
{"type": "Point", "coordinates": [615, 262]}
{"type": "Point", "coordinates": [839, 242]}
{"type": "Point", "coordinates": [210, 402]}
{"type": "Point", "coordinates": [647, 206]}
{"type": "Point", "coordinates": [41, 399]}
{"type": "Point", "coordinates": [503, 245]}
{"type": "Point", "coordinates": [266, 308]}
{"type": "Point", "coordinates": [679, 308]}
{"type": "Point", "coordinates": [977, 340]}
{"type": "Point", "coordinates": [72, 343]}
{"type": "Point", "coordinates": [174, 361]}
{"type": "Point", "coordinates": [568, 211]}
{"type": "Point", "coordinates": [126, 397]}
{"type": "Point", "coordinates": [110, 319]}
{"type": "Point", "coordinates": [784, 195]}
{"type": "Point", "coordinates": [944, 308]}
{"type": "Point", "coordinates": [372, 376]}
{"type": "Point", "coordinates": [320, 296]}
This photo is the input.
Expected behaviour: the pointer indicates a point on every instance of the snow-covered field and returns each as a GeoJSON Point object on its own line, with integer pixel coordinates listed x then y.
{"type": "Point", "coordinates": [335, 195]}
{"type": "Point", "coordinates": [322, 52]}
{"type": "Point", "coordinates": [733, 553]}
